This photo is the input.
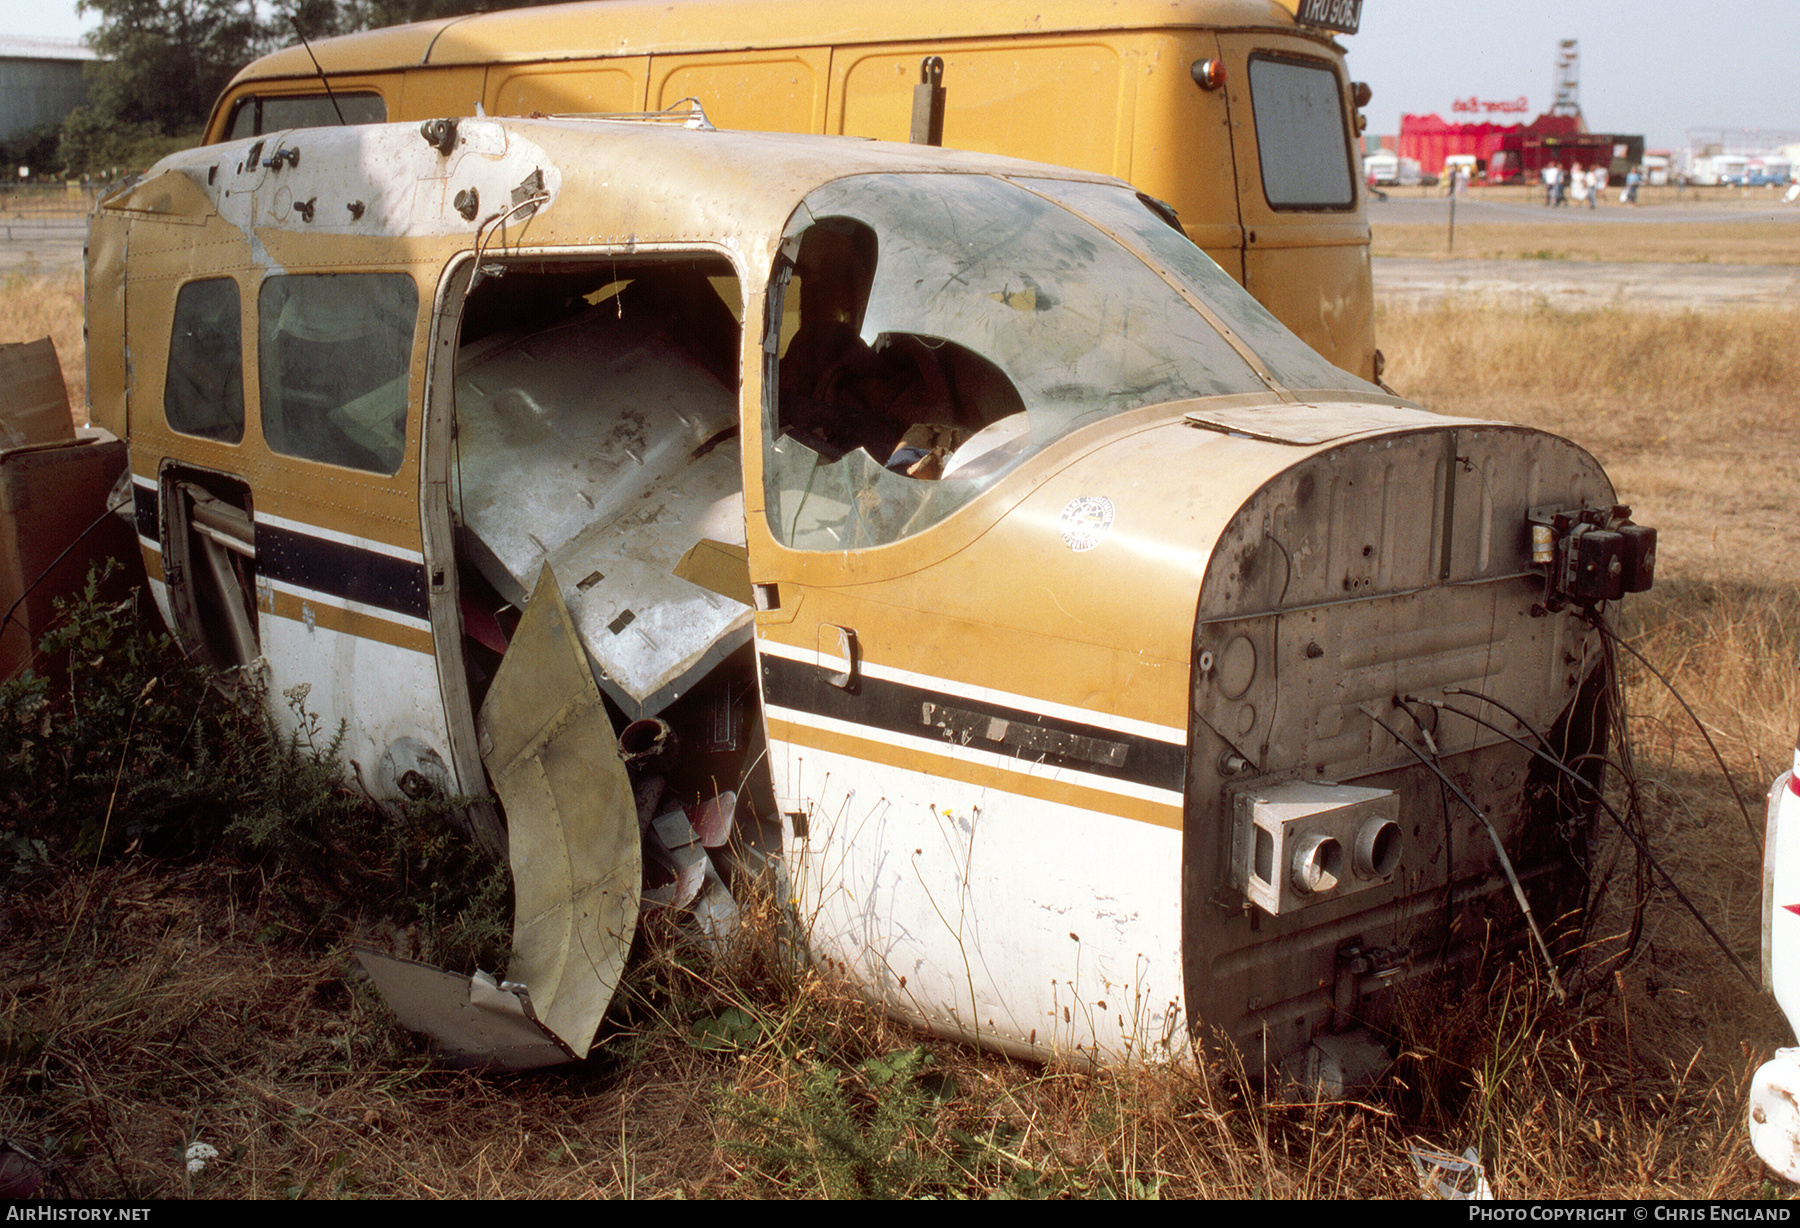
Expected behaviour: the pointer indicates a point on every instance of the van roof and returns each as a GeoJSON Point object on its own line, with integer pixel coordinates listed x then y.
{"type": "Point", "coordinates": [597, 28]}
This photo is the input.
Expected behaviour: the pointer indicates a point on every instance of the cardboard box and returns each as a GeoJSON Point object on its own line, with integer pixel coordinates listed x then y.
{"type": "Point", "coordinates": [34, 403]}
{"type": "Point", "coordinates": [54, 486]}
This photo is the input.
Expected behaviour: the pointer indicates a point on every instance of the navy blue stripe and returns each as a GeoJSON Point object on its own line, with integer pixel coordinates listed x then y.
{"type": "Point", "coordinates": [143, 507]}
{"type": "Point", "coordinates": [325, 566]}
{"type": "Point", "coordinates": [341, 570]}
{"type": "Point", "coordinates": [895, 707]}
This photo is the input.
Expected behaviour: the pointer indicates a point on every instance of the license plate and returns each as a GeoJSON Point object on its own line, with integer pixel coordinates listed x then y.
{"type": "Point", "coordinates": [1341, 15]}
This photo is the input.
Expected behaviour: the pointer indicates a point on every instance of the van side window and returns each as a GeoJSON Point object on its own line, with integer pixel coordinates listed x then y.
{"type": "Point", "coordinates": [254, 115]}
{"type": "Point", "coordinates": [333, 357]}
{"type": "Point", "coordinates": [1301, 134]}
{"type": "Point", "coordinates": [203, 389]}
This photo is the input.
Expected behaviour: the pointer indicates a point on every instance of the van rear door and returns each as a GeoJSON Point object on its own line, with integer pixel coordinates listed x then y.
{"type": "Point", "coordinates": [1306, 231]}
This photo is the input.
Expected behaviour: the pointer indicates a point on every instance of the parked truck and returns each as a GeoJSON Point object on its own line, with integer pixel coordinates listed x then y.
{"type": "Point", "coordinates": [1239, 113]}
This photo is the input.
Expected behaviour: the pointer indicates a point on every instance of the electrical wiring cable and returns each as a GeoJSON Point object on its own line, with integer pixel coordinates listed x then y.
{"type": "Point", "coordinates": [1499, 848]}
{"type": "Point", "coordinates": [1642, 848]}
{"type": "Point", "coordinates": [1599, 622]}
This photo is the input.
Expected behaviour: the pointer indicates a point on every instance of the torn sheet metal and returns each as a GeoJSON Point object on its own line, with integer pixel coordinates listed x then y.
{"type": "Point", "coordinates": [577, 865]}
{"type": "Point", "coordinates": [712, 819]}
{"type": "Point", "coordinates": [571, 822]}
{"type": "Point", "coordinates": [1454, 1178]}
{"type": "Point", "coordinates": [719, 567]}
{"type": "Point", "coordinates": [472, 1021]}
{"type": "Point", "coordinates": [603, 448]}
{"type": "Point", "coordinates": [694, 884]}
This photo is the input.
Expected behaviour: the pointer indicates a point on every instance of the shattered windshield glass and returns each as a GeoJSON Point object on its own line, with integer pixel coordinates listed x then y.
{"type": "Point", "coordinates": [938, 329]}
{"type": "Point", "coordinates": [1290, 360]}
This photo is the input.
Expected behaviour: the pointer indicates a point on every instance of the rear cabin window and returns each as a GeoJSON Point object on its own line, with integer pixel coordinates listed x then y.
{"type": "Point", "coordinates": [203, 389]}
{"type": "Point", "coordinates": [1300, 134]}
{"type": "Point", "coordinates": [255, 115]}
{"type": "Point", "coordinates": [333, 357]}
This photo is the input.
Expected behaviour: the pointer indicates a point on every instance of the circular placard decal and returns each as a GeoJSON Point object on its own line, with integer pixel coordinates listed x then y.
{"type": "Point", "coordinates": [1085, 521]}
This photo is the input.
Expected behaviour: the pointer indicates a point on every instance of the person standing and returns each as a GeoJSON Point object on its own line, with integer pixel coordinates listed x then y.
{"type": "Point", "coordinates": [1550, 174]}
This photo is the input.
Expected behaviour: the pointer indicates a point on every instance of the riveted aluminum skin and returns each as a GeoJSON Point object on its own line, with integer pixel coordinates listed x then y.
{"type": "Point", "coordinates": [991, 726]}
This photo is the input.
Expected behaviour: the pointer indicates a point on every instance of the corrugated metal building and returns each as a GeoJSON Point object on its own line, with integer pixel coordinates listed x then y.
{"type": "Point", "coordinates": [40, 81]}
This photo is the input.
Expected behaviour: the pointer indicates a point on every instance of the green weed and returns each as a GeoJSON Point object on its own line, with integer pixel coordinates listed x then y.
{"type": "Point", "coordinates": [133, 748]}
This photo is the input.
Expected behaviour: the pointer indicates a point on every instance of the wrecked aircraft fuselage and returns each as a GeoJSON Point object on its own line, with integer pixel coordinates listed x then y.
{"type": "Point", "coordinates": [1064, 629]}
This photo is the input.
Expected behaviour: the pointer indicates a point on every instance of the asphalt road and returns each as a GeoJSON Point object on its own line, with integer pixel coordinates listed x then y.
{"type": "Point", "coordinates": [41, 247]}
{"type": "Point", "coordinates": [1577, 284]}
{"type": "Point", "coordinates": [1474, 210]}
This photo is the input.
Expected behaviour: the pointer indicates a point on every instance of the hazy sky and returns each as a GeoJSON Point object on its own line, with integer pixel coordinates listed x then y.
{"type": "Point", "coordinates": [1658, 67]}
{"type": "Point", "coordinates": [44, 19]}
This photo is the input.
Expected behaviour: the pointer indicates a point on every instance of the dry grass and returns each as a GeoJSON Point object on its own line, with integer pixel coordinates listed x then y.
{"type": "Point", "coordinates": [1674, 242]}
{"type": "Point", "coordinates": [1689, 412]}
{"type": "Point", "coordinates": [33, 307]}
{"type": "Point", "coordinates": [143, 1008]}
{"type": "Point", "coordinates": [162, 1018]}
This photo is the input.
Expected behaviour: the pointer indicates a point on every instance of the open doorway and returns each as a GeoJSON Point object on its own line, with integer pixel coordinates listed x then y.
{"type": "Point", "coordinates": [209, 562]}
{"type": "Point", "coordinates": [596, 435]}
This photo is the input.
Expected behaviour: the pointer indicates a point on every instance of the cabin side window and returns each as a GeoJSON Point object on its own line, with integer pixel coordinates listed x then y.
{"type": "Point", "coordinates": [333, 357]}
{"type": "Point", "coordinates": [1301, 134]}
{"type": "Point", "coordinates": [203, 388]}
{"type": "Point", "coordinates": [254, 114]}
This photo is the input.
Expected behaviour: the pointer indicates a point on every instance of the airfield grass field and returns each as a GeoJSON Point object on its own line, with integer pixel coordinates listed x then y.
{"type": "Point", "coordinates": [149, 1002]}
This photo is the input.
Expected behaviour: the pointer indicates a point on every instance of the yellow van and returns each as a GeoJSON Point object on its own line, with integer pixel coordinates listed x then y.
{"type": "Point", "coordinates": [1100, 666]}
{"type": "Point", "coordinates": [1239, 113]}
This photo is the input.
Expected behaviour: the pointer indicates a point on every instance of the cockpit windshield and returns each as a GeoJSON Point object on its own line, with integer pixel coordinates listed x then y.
{"type": "Point", "coordinates": [938, 329]}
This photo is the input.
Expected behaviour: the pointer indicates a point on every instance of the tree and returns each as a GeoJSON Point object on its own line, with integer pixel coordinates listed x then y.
{"type": "Point", "coordinates": [165, 61]}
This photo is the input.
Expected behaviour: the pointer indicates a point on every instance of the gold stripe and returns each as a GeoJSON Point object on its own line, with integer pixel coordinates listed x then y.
{"type": "Point", "coordinates": [911, 760]}
{"type": "Point", "coordinates": [351, 622]}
